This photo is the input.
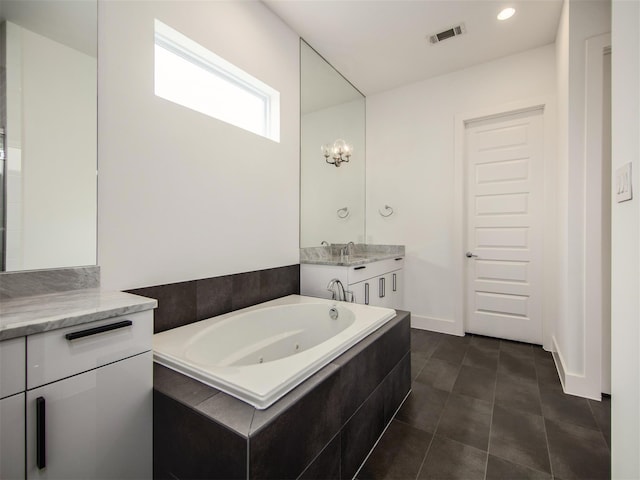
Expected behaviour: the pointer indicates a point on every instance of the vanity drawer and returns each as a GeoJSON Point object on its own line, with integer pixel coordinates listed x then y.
{"type": "Point", "coordinates": [12, 357]}
{"type": "Point", "coordinates": [359, 273]}
{"type": "Point", "coordinates": [68, 351]}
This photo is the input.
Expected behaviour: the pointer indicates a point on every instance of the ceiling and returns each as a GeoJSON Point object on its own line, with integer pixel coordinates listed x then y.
{"type": "Point", "coordinates": [382, 44]}
{"type": "Point", "coordinates": [70, 22]}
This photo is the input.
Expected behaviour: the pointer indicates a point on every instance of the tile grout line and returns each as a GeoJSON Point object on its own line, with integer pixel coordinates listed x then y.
{"type": "Point", "coordinates": [544, 420]}
{"type": "Point", "coordinates": [598, 425]}
{"type": "Point", "coordinates": [493, 405]}
{"type": "Point", "coordinates": [543, 423]}
{"type": "Point", "coordinates": [433, 436]}
{"type": "Point", "coordinates": [387, 426]}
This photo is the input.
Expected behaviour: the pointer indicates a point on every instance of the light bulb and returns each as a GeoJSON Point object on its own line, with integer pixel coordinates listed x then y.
{"type": "Point", "coordinates": [339, 146]}
{"type": "Point", "coordinates": [506, 13]}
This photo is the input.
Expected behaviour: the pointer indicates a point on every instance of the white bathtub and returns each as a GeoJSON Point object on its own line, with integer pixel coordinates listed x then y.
{"type": "Point", "coordinates": [260, 353]}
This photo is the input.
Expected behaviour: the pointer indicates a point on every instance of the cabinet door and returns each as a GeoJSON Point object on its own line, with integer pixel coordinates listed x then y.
{"type": "Point", "coordinates": [53, 356]}
{"type": "Point", "coordinates": [381, 291]}
{"type": "Point", "coordinates": [362, 292]}
{"type": "Point", "coordinates": [396, 292]}
{"type": "Point", "coordinates": [373, 291]}
{"type": "Point", "coordinates": [94, 425]}
{"type": "Point", "coordinates": [12, 437]}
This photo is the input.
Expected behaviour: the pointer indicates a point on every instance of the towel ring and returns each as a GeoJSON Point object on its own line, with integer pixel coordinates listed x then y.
{"type": "Point", "coordinates": [343, 212]}
{"type": "Point", "coordinates": [388, 211]}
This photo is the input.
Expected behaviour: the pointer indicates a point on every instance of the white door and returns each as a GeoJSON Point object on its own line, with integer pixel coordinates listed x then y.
{"type": "Point", "coordinates": [504, 192]}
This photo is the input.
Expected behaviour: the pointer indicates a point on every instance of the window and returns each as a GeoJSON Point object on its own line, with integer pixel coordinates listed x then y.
{"type": "Point", "coordinates": [188, 74]}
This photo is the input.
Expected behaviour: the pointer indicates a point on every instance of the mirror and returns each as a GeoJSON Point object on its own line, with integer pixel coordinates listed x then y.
{"type": "Point", "coordinates": [48, 133]}
{"type": "Point", "coordinates": [332, 199]}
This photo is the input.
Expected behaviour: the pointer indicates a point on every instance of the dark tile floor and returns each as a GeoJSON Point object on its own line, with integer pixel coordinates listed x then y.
{"type": "Point", "coordinates": [490, 409]}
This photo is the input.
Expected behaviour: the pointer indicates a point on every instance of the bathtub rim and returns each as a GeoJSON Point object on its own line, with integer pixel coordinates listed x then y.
{"type": "Point", "coordinates": [263, 400]}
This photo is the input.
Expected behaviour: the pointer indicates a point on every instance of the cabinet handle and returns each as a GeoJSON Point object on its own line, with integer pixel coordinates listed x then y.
{"type": "Point", "coordinates": [399, 258]}
{"type": "Point", "coordinates": [366, 294]}
{"type": "Point", "coordinates": [395, 283]}
{"type": "Point", "coordinates": [96, 330]}
{"type": "Point", "coordinates": [360, 268]}
{"type": "Point", "coordinates": [381, 287]}
{"type": "Point", "coordinates": [41, 445]}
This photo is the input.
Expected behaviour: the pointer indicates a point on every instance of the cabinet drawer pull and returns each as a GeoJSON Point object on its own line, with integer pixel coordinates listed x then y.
{"type": "Point", "coordinates": [381, 287]}
{"type": "Point", "coordinates": [399, 258]}
{"type": "Point", "coordinates": [366, 294]}
{"type": "Point", "coordinates": [96, 330]}
{"type": "Point", "coordinates": [41, 445]}
{"type": "Point", "coordinates": [395, 283]}
{"type": "Point", "coordinates": [360, 268]}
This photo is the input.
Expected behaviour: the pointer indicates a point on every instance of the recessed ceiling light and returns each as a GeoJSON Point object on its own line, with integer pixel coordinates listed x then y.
{"type": "Point", "coordinates": [506, 13]}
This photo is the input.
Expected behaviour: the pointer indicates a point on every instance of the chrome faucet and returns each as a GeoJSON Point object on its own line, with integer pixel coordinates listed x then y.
{"type": "Point", "coordinates": [337, 290]}
{"type": "Point", "coordinates": [347, 249]}
{"type": "Point", "coordinates": [324, 243]}
{"type": "Point", "coordinates": [350, 246]}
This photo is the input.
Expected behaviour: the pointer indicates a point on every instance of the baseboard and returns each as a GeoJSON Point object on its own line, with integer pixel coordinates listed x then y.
{"type": "Point", "coordinates": [439, 325]}
{"type": "Point", "coordinates": [572, 383]}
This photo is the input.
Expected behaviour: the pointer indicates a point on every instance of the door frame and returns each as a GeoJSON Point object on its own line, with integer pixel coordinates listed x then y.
{"type": "Point", "coordinates": [549, 223]}
{"type": "Point", "coordinates": [597, 364]}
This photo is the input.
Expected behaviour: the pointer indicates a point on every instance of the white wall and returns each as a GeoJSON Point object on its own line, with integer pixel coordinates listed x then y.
{"type": "Point", "coordinates": [410, 166]}
{"type": "Point", "coordinates": [51, 92]}
{"type": "Point", "coordinates": [181, 195]}
{"type": "Point", "coordinates": [625, 262]}
{"type": "Point", "coordinates": [574, 335]}
{"type": "Point", "coordinates": [326, 188]}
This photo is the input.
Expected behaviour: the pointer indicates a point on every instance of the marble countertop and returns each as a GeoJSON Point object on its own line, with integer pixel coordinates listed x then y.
{"type": "Point", "coordinates": [40, 313]}
{"type": "Point", "coordinates": [362, 254]}
{"type": "Point", "coordinates": [350, 260]}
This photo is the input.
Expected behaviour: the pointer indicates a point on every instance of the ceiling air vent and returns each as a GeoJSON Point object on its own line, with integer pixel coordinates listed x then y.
{"type": "Point", "coordinates": [449, 33]}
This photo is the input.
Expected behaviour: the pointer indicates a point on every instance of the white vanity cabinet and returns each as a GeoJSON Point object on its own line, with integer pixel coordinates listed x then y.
{"type": "Point", "coordinates": [86, 402]}
{"type": "Point", "coordinates": [12, 397]}
{"type": "Point", "coordinates": [377, 283]}
{"type": "Point", "coordinates": [89, 400]}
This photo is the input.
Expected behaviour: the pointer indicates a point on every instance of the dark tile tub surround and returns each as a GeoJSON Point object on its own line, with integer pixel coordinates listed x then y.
{"type": "Point", "coordinates": [187, 302]}
{"type": "Point", "coordinates": [324, 428]}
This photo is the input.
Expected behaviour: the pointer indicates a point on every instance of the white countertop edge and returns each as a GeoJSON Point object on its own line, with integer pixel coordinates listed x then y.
{"type": "Point", "coordinates": [352, 262]}
{"type": "Point", "coordinates": [40, 313]}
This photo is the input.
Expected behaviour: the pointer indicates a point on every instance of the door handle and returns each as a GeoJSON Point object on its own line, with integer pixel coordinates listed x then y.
{"type": "Point", "coordinates": [96, 330]}
{"type": "Point", "coordinates": [470, 255]}
{"type": "Point", "coordinates": [41, 442]}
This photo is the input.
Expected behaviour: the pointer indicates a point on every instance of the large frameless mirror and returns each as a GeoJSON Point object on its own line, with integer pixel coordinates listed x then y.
{"type": "Point", "coordinates": [48, 133]}
{"type": "Point", "coordinates": [332, 154]}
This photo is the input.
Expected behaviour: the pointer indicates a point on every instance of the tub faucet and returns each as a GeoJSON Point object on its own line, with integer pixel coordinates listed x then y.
{"type": "Point", "coordinates": [337, 290]}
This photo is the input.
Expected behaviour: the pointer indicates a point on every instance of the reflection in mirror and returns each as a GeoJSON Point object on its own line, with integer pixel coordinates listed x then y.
{"type": "Point", "coordinates": [332, 129]}
{"type": "Point", "coordinates": [48, 127]}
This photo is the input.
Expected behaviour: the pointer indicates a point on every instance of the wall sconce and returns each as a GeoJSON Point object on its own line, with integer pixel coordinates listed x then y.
{"type": "Point", "coordinates": [339, 152]}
